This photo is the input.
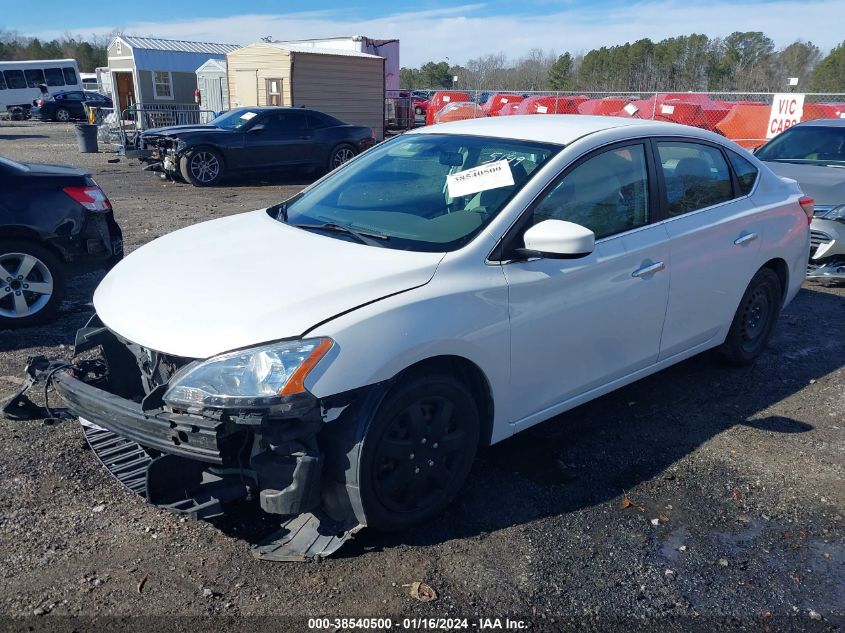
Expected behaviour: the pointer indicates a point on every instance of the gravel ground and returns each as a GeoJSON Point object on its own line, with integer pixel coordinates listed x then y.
{"type": "Point", "coordinates": [701, 497]}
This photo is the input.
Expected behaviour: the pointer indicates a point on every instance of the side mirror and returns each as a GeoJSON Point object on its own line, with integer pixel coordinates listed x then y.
{"type": "Point", "coordinates": [558, 239]}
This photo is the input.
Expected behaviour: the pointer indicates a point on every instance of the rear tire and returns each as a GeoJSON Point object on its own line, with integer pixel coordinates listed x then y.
{"type": "Point", "coordinates": [339, 155]}
{"type": "Point", "coordinates": [32, 283]}
{"type": "Point", "coordinates": [62, 115]}
{"type": "Point", "coordinates": [417, 451]}
{"type": "Point", "coordinates": [202, 167]}
{"type": "Point", "coordinates": [754, 320]}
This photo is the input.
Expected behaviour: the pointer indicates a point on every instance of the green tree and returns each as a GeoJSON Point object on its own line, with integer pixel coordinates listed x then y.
{"type": "Point", "coordinates": [410, 78]}
{"type": "Point", "coordinates": [560, 73]}
{"type": "Point", "coordinates": [436, 75]}
{"type": "Point", "coordinates": [829, 74]}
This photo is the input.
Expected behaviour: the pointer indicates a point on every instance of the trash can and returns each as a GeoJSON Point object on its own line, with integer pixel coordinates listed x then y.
{"type": "Point", "coordinates": [86, 136]}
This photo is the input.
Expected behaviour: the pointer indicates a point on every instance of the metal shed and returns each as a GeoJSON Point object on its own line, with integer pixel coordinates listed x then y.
{"type": "Point", "coordinates": [343, 83]}
{"type": "Point", "coordinates": [213, 85]}
{"type": "Point", "coordinates": [151, 71]}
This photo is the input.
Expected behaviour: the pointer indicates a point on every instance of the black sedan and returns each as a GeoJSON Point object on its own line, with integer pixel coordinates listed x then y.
{"type": "Point", "coordinates": [68, 105]}
{"type": "Point", "coordinates": [253, 139]}
{"type": "Point", "coordinates": [54, 221]}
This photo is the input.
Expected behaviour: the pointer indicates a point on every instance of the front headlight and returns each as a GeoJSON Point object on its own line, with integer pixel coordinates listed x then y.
{"type": "Point", "coordinates": [836, 213]}
{"type": "Point", "coordinates": [248, 378]}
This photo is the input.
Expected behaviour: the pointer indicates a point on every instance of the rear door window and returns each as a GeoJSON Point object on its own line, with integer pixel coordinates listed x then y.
{"type": "Point", "coordinates": [14, 79]}
{"type": "Point", "coordinates": [696, 176]}
{"type": "Point", "coordinates": [70, 76]}
{"type": "Point", "coordinates": [34, 77]}
{"type": "Point", "coordinates": [54, 77]}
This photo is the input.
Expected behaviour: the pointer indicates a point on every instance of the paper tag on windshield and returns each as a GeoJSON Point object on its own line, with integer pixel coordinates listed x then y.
{"type": "Point", "coordinates": [246, 116]}
{"type": "Point", "coordinates": [542, 109]}
{"type": "Point", "coordinates": [631, 109]}
{"type": "Point", "coordinates": [667, 109]}
{"type": "Point", "coordinates": [447, 98]}
{"type": "Point", "coordinates": [482, 178]}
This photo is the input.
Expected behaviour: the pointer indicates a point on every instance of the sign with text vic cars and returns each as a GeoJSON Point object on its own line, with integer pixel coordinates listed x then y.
{"type": "Point", "coordinates": [787, 110]}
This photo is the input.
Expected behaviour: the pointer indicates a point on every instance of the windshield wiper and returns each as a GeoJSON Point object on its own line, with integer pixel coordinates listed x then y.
{"type": "Point", "coordinates": [371, 238]}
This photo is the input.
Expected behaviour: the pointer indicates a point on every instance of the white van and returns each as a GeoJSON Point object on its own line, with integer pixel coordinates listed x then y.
{"type": "Point", "coordinates": [19, 80]}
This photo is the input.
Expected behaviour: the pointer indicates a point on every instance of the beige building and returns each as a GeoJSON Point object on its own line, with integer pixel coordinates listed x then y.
{"type": "Point", "coordinates": [348, 85]}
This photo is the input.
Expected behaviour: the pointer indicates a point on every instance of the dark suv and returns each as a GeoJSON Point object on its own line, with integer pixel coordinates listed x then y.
{"type": "Point", "coordinates": [54, 221]}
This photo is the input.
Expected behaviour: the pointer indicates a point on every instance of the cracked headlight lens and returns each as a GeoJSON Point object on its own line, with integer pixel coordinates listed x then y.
{"type": "Point", "coordinates": [248, 378]}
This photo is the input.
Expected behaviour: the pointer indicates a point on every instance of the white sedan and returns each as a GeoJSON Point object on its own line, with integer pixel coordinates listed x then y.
{"type": "Point", "coordinates": [340, 357]}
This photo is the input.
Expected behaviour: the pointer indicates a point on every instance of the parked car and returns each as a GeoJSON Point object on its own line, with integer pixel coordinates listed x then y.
{"type": "Point", "coordinates": [813, 153]}
{"type": "Point", "coordinates": [445, 290]}
{"type": "Point", "coordinates": [67, 106]}
{"type": "Point", "coordinates": [253, 139]}
{"type": "Point", "coordinates": [420, 105]}
{"type": "Point", "coordinates": [54, 222]}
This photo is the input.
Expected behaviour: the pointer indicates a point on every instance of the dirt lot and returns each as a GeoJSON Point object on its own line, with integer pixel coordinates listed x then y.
{"type": "Point", "coordinates": [703, 496]}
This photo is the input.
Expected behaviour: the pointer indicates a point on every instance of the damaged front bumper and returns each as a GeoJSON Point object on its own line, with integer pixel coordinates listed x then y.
{"type": "Point", "coordinates": [198, 465]}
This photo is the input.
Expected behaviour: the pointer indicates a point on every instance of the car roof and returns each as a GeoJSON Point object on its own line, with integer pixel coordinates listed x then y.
{"type": "Point", "coordinates": [823, 123]}
{"type": "Point", "coordinates": [562, 129]}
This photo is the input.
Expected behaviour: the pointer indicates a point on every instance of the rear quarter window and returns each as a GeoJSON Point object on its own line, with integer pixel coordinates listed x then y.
{"type": "Point", "coordinates": [746, 172]}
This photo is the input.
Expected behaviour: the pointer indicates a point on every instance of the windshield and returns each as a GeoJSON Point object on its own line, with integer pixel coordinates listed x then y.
{"type": "Point", "coordinates": [812, 144]}
{"type": "Point", "coordinates": [422, 192]}
{"type": "Point", "coordinates": [234, 120]}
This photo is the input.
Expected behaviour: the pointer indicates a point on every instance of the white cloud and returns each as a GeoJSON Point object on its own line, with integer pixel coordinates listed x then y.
{"type": "Point", "coordinates": [466, 31]}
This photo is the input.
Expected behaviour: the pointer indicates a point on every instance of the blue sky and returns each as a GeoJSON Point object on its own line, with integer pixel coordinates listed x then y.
{"type": "Point", "coordinates": [432, 29]}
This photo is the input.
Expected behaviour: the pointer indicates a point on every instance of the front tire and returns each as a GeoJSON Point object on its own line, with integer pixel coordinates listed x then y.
{"type": "Point", "coordinates": [754, 320]}
{"type": "Point", "coordinates": [417, 451]}
{"type": "Point", "coordinates": [62, 115]}
{"type": "Point", "coordinates": [202, 167]}
{"type": "Point", "coordinates": [32, 284]}
{"type": "Point", "coordinates": [339, 155]}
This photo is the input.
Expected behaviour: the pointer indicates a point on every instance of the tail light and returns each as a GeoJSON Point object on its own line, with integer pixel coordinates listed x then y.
{"type": "Point", "coordinates": [39, 103]}
{"type": "Point", "coordinates": [808, 204]}
{"type": "Point", "coordinates": [92, 198]}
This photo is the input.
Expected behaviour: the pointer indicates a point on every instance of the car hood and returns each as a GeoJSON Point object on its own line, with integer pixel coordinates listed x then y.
{"type": "Point", "coordinates": [826, 185]}
{"type": "Point", "coordinates": [245, 280]}
{"type": "Point", "coordinates": [176, 130]}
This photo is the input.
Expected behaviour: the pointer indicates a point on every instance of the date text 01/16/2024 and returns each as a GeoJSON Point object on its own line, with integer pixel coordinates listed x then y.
{"type": "Point", "coordinates": [423, 624]}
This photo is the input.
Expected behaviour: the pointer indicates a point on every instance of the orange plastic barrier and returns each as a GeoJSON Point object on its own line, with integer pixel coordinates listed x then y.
{"type": "Point", "coordinates": [459, 111]}
{"type": "Point", "coordinates": [608, 105]}
{"type": "Point", "coordinates": [823, 111]}
{"type": "Point", "coordinates": [499, 101]}
{"type": "Point", "coordinates": [550, 104]}
{"type": "Point", "coordinates": [746, 124]}
{"type": "Point", "coordinates": [440, 99]}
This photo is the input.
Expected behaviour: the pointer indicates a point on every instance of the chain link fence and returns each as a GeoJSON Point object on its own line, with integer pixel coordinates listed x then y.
{"type": "Point", "coordinates": [741, 117]}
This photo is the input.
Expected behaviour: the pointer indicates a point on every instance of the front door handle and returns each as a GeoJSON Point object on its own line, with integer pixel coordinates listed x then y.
{"type": "Point", "coordinates": [745, 239]}
{"type": "Point", "coordinates": [645, 271]}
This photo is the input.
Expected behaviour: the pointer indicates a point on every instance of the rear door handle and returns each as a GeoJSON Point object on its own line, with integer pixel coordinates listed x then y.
{"type": "Point", "coordinates": [745, 239]}
{"type": "Point", "coordinates": [645, 271]}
